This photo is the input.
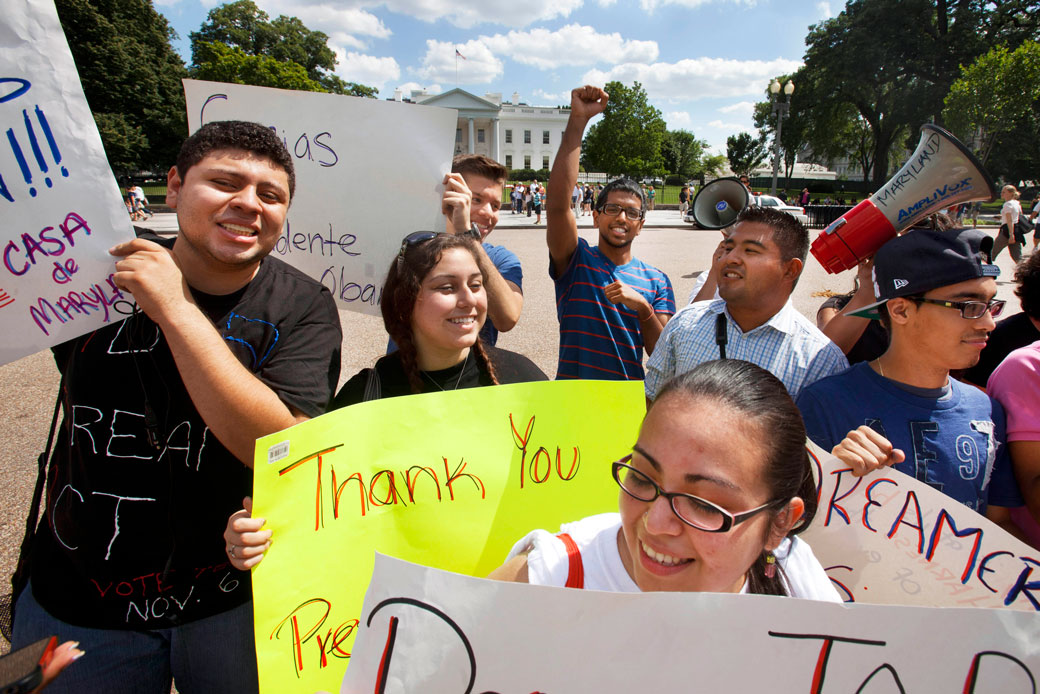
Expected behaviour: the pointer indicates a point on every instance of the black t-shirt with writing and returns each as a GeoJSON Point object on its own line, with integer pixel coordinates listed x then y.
{"type": "Point", "coordinates": [132, 537]}
{"type": "Point", "coordinates": [510, 367]}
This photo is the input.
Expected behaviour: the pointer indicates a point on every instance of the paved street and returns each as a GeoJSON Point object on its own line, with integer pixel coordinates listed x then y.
{"type": "Point", "coordinates": [29, 385]}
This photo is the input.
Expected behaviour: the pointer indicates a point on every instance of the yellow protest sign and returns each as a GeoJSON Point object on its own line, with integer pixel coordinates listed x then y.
{"type": "Point", "coordinates": [449, 480]}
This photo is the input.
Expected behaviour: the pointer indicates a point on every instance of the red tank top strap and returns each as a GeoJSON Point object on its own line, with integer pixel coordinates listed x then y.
{"type": "Point", "coordinates": [575, 569]}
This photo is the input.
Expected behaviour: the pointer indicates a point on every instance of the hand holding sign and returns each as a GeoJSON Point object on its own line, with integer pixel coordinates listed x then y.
{"type": "Point", "coordinates": [150, 272]}
{"type": "Point", "coordinates": [864, 450]}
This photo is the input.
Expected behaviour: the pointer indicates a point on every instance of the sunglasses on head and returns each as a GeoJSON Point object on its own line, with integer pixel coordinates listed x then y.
{"type": "Point", "coordinates": [414, 239]}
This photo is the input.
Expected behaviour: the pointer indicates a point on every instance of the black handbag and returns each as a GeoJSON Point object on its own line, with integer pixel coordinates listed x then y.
{"type": "Point", "coordinates": [1022, 227]}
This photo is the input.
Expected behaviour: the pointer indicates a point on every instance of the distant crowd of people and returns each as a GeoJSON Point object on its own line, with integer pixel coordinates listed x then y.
{"type": "Point", "coordinates": [908, 370]}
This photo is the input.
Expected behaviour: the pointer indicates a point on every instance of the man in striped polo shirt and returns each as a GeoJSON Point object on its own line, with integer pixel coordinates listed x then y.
{"type": "Point", "coordinates": [609, 304]}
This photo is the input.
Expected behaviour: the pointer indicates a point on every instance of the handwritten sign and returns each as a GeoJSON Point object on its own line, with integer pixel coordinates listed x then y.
{"type": "Point", "coordinates": [60, 204]}
{"type": "Point", "coordinates": [368, 173]}
{"type": "Point", "coordinates": [887, 538]}
{"type": "Point", "coordinates": [445, 479]}
{"type": "Point", "coordinates": [431, 631]}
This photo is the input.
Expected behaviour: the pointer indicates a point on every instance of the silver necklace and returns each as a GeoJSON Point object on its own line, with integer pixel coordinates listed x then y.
{"type": "Point", "coordinates": [457, 382]}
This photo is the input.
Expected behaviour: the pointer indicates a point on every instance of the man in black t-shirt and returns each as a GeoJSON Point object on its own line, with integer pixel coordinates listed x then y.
{"type": "Point", "coordinates": [161, 414]}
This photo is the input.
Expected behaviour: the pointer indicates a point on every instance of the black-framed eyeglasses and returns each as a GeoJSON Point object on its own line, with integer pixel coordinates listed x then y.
{"type": "Point", "coordinates": [969, 309]}
{"type": "Point", "coordinates": [692, 510]}
{"type": "Point", "coordinates": [613, 210]}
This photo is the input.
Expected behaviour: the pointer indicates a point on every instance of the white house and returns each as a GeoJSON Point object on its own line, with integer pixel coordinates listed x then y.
{"type": "Point", "coordinates": [512, 133]}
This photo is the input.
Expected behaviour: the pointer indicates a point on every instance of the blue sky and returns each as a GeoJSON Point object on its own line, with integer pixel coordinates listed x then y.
{"type": "Point", "coordinates": [703, 62]}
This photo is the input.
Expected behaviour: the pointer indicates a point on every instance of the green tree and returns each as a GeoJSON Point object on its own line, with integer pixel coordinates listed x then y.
{"type": "Point", "coordinates": [893, 62]}
{"type": "Point", "coordinates": [222, 63]}
{"type": "Point", "coordinates": [244, 26]}
{"type": "Point", "coordinates": [628, 139]}
{"type": "Point", "coordinates": [131, 77]}
{"type": "Point", "coordinates": [745, 152]}
{"type": "Point", "coordinates": [996, 101]}
{"type": "Point", "coordinates": [682, 153]}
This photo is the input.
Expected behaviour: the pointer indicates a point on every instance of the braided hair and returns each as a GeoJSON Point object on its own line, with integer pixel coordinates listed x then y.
{"type": "Point", "coordinates": [401, 290]}
{"type": "Point", "coordinates": [764, 402]}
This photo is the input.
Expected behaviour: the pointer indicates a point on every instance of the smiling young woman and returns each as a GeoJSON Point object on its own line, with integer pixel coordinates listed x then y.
{"type": "Point", "coordinates": [434, 304]}
{"type": "Point", "coordinates": [712, 498]}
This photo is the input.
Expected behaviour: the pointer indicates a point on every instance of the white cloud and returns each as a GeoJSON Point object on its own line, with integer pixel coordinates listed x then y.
{"type": "Point", "coordinates": [408, 87]}
{"type": "Point", "coordinates": [733, 128]}
{"type": "Point", "coordinates": [480, 65]}
{"type": "Point", "coordinates": [546, 99]}
{"type": "Point", "coordinates": [743, 108]}
{"type": "Point", "coordinates": [697, 78]}
{"type": "Point", "coordinates": [467, 14]}
{"type": "Point", "coordinates": [460, 14]}
{"type": "Point", "coordinates": [347, 25]}
{"type": "Point", "coordinates": [367, 69]}
{"type": "Point", "coordinates": [573, 44]}
{"type": "Point", "coordinates": [824, 8]}
{"type": "Point", "coordinates": [651, 5]}
{"type": "Point", "coordinates": [678, 120]}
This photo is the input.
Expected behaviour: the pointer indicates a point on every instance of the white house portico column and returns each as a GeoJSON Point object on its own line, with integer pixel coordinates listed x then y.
{"type": "Point", "coordinates": [496, 154]}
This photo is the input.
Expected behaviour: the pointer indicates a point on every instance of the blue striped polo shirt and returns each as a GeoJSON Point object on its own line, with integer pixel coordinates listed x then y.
{"type": "Point", "coordinates": [598, 339]}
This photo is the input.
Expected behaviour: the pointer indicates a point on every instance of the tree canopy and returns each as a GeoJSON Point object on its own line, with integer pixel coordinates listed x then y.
{"type": "Point", "coordinates": [745, 152]}
{"type": "Point", "coordinates": [257, 42]}
{"type": "Point", "coordinates": [686, 156]}
{"type": "Point", "coordinates": [889, 64]}
{"type": "Point", "coordinates": [995, 105]}
{"type": "Point", "coordinates": [628, 139]}
{"type": "Point", "coordinates": [223, 63]}
{"type": "Point", "coordinates": [131, 77]}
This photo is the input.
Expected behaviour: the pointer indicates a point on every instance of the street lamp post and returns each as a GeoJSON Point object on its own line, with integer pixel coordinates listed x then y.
{"type": "Point", "coordinates": [781, 108]}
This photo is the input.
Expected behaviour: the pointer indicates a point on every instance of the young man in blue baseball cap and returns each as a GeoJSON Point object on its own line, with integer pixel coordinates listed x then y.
{"type": "Point", "coordinates": [935, 296]}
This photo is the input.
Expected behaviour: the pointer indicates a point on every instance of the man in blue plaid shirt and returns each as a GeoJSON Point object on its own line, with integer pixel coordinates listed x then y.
{"type": "Point", "coordinates": [754, 319]}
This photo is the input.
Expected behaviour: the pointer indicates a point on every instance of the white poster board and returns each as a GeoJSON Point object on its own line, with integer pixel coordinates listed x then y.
{"type": "Point", "coordinates": [441, 633]}
{"type": "Point", "coordinates": [887, 538]}
{"type": "Point", "coordinates": [60, 205]}
{"type": "Point", "coordinates": [368, 173]}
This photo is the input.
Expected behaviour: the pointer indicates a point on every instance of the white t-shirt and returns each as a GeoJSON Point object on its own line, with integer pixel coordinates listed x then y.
{"type": "Point", "coordinates": [596, 538]}
{"type": "Point", "coordinates": [1012, 208]}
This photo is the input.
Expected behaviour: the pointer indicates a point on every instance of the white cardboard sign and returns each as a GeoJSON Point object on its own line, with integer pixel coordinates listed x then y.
{"type": "Point", "coordinates": [887, 538]}
{"type": "Point", "coordinates": [432, 631]}
{"type": "Point", "coordinates": [60, 204]}
{"type": "Point", "coordinates": [368, 173]}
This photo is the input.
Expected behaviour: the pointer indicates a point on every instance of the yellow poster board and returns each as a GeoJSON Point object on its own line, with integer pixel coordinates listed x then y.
{"type": "Point", "coordinates": [449, 480]}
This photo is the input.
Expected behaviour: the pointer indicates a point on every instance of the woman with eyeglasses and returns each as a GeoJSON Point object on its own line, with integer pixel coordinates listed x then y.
{"type": "Point", "coordinates": [433, 306]}
{"type": "Point", "coordinates": [712, 497]}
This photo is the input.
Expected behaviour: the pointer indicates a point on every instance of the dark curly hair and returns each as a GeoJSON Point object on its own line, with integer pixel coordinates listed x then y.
{"type": "Point", "coordinates": [1027, 286]}
{"type": "Point", "coordinates": [249, 137]}
{"type": "Point", "coordinates": [764, 403]}
{"type": "Point", "coordinates": [401, 289]}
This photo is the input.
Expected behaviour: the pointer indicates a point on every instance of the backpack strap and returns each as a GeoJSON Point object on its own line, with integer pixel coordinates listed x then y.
{"type": "Point", "coordinates": [575, 568]}
{"type": "Point", "coordinates": [373, 386]}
